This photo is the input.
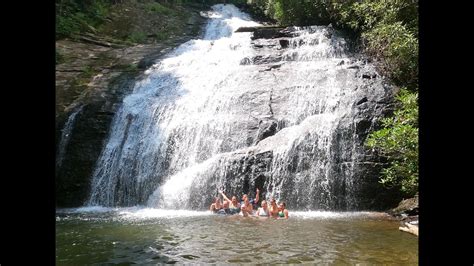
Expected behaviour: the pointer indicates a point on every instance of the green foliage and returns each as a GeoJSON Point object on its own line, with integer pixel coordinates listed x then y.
{"type": "Point", "coordinates": [137, 37]}
{"type": "Point", "coordinates": [397, 49]}
{"type": "Point", "coordinates": [132, 67]}
{"type": "Point", "coordinates": [158, 8]}
{"type": "Point", "coordinates": [88, 71]}
{"type": "Point", "coordinates": [358, 16]}
{"type": "Point", "coordinates": [297, 12]}
{"type": "Point", "coordinates": [237, 2]}
{"type": "Point", "coordinates": [74, 16]}
{"type": "Point", "coordinates": [69, 21]}
{"type": "Point", "coordinates": [162, 35]}
{"type": "Point", "coordinates": [389, 30]}
{"type": "Point", "coordinates": [398, 140]}
{"type": "Point", "coordinates": [364, 15]}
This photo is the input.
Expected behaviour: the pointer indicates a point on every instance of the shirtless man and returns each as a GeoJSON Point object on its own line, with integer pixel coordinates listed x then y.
{"type": "Point", "coordinates": [273, 208]}
{"type": "Point", "coordinates": [247, 206]}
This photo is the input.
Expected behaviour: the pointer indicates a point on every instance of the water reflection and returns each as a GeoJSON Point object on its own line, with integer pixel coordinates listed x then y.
{"type": "Point", "coordinates": [113, 237]}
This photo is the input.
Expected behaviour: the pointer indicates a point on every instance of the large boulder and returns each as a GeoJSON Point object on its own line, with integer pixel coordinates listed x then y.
{"type": "Point", "coordinates": [407, 207]}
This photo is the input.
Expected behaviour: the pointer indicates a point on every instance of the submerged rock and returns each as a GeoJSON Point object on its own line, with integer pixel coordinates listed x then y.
{"type": "Point", "coordinates": [409, 228]}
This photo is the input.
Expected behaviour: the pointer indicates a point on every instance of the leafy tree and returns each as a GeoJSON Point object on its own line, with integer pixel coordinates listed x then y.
{"type": "Point", "coordinates": [398, 140]}
{"type": "Point", "coordinates": [397, 49]}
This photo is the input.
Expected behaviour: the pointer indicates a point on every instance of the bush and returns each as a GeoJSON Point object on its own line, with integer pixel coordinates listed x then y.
{"type": "Point", "coordinates": [75, 16]}
{"type": "Point", "coordinates": [398, 140]}
{"type": "Point", "coordinates": [162, 35]}
{"type": "Point", "coordinates": [137, 37]}
{"type": "Point", "coordinates": [156, 7]}
{"type": "Point", "coordinates": [297, 12]}
{"type": "Point", "coordinates": [397, 49]}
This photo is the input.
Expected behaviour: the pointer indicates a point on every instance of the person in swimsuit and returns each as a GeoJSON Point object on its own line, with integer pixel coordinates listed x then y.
{"type": "Point", "coordinates": [263, 211]}
{"type": "Point", "coordinates": [225, 209]}
{"type": "Point", "coordinates": [246, 207]}
{"type": "Point", "coordinates": [283, 212]}
{"type": "Point", "coordinates": [273, 208]}
{"type": "Point", "coordinates": [253, 202]}
{"type": "Point", "coordinates": [234, 205]}
{"type": "Point", "coordinates": [216, 205]}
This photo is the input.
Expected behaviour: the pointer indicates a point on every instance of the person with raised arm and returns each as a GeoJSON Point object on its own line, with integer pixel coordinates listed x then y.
{"type": "Point", "coordinates": [234, 205]}
{"type": "Point", "coordinates": [247, 206]}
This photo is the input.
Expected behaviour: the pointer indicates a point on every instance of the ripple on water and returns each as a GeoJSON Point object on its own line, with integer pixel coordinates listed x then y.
{"type": "Point", "coordinates": [239, 260]}
{"type": "Point", "coordinates": [189, 256]}
{"type": "Point", "coordinates": [102, 239]}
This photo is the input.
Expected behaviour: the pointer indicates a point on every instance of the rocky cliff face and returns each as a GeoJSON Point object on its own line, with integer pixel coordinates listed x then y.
{"type": "Point", "coordinates": [309, 153]}
{"type": "Point", "coordinates": [94, 74]}
{"type": "Point", "coordinates": [286, 110]}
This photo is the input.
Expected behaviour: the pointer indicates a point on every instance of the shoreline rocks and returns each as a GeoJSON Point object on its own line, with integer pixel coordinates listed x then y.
{"type": "Point", "coordinates": [407, 213]}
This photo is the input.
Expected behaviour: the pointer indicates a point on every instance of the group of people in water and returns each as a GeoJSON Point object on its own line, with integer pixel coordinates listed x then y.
{"type": "Point", "coordinates": [249, 207]}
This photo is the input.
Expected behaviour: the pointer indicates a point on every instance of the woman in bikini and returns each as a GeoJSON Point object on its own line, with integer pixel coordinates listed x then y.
{"type": "Point", "coordinates": [283, 212]}
{"type": "Point", "coordinates": [234, 205]}
{"type": "Point", "coordinates": [217, 205]}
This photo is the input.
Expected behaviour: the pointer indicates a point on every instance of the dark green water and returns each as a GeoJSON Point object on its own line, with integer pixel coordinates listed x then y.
{"type": "Point", "coordinates": [151, 236]}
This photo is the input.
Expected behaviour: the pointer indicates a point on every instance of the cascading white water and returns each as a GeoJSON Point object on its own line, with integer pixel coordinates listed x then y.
{"type": "Point", "coordinates": [66, 136]}
{"type": "Point", "coordinates": [228, 112]}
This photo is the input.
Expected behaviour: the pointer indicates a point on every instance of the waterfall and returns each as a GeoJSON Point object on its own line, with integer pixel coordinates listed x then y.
{"type": "Point", "coordinates": [287, 115]}
{"type": "Point", "coordinates": [66, 136]}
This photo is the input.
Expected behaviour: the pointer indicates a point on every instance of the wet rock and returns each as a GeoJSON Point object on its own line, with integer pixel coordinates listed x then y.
{"type": "Point", "coordinates": [87, 137]}
{"type": "Point", "coordinates": [245, 61]}
{"type": "Point", "coordinates": [78, 83]}
{"type": "Point", "coordinates": [363, 126]}
{"type": "Point", "coordinates": [259, 59]}
{"type": "Point", "coordinates": [257, 28]}
{"type": "Point", "coordinates": [250, 169]}
{"type": "Point", "coordinates": [407, 207]}
{"type": "Point", "coordinates": [284, 43]}
{"type": "Point", "coordinates": [361, 101]}
{"type": "Point", "coordinates": [369, 76]}
{"type": "Point", "coordinates": [246, 29]}
{"type": "Point", "coordinates": [266, 129]}
{"type": "Point", "coordinates": [409, 228]}
{"type": "Point", "coordinates": [267, 43]}
{"type": "Point", "coordinates": [352, 183]}
{"type": "Point", "coordinates": [269, 68]}
{"type": "Point", "coordinates": [271, 33]}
